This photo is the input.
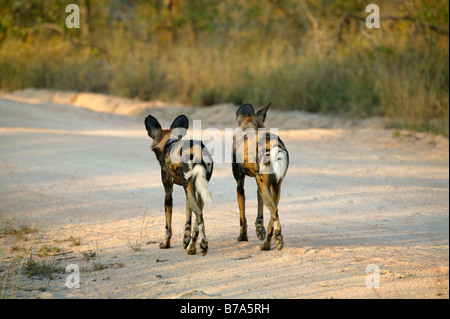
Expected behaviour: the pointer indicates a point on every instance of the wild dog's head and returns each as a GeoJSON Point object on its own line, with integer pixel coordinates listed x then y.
{"type": "Point", "coordinates": [160, 137]}
{"type": "Point", "coordinates": [246, 117]}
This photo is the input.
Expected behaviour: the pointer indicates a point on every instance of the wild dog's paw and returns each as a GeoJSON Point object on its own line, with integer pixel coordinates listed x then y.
{"type": "Point", "coordinates": [164, 245]}
{"type": "Point", "coordinates": [278, 240]}
{"type": "Point", "coordinates": [265, 245]}
{"type": "Point", "coordinates": [186, 241]}
{"type": "Point", "coordinates": [242, 237]}
{"type": "Point", "coordinates": [280, 245]}
{"type": "Point", "coordinates": [203, 248]}
{"type": "Point", "coordinates": [260, 232]}
{"type": "Point", "coordinates": [187, 236]}
{"type": "Point", "coordinates": [191, 249]}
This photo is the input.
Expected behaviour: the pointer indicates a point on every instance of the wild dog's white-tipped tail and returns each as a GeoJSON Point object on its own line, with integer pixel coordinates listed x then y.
{"type": "Point", "coordinates": [201, 184]}
{"type": "Point", "coordinates": [279, 160]}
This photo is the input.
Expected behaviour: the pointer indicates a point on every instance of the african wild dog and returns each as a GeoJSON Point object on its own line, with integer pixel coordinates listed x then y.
{"type": "Point", "coordinates": [262, 155]}
{"type": "Point", "coordinates": [187, 163]}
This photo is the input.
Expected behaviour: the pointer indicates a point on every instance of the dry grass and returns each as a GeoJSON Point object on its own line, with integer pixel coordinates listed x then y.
{"type": "Point", "coordinates": [407, 83]}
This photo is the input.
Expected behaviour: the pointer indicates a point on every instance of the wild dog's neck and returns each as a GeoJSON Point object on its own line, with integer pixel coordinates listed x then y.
{"type": "Point", "coordinates": [250, 124]}
{"type": "Point", "coordinates": [158, 146]}
{"type": "Point", "coordinates": [157, 152]}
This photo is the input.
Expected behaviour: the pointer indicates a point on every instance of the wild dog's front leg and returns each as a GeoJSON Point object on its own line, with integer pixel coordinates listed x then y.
{"type": "Point", "coordinates": [168, 209]}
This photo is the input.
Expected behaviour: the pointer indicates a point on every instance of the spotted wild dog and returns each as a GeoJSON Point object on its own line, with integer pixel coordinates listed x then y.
{"type": "Point", "coordinates": [187, 163]}
{"type": "Point", "coordinates": [260, 154]}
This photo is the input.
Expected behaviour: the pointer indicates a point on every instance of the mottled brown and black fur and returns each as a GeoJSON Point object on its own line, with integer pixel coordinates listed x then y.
{"type": "Point", "coordinates": [187, 163]}
{"type": "Point", "coordinates": [271, 153]}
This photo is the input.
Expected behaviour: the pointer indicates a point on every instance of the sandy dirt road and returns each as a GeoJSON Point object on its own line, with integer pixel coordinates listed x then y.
{"type": "Point", "coordinates": [354, 195]}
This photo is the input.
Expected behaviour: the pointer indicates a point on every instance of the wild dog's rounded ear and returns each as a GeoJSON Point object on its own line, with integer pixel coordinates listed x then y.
{"type": "Point", "coordinates": [179, 127]}
{"type": "Point", "coordinates": [180, 122]}
{"type": "Point", "coordinates": [245, 110]}
{"type": "Point", "coordinates": [260, 116]}
{"type": "Point", "coordinates": [153, 127]}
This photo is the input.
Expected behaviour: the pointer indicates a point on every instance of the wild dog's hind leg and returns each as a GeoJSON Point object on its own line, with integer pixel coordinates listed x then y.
{"type": "Point", "coordinates": [192, 235]}
{"type": "Point", "coordinates": [276, 190]}
{"type": "Point", "coordinates": [191, 249]}
{"type": "Point", "coordinates": [274, 222]}
{"type": "Point", "coordinates": [241, 202]}
{"type": "Point", "coordinates": [199, 222]}
{"type": "Point", "coordinates": [168, 209]}
{"type": "Point", "coordinates": [187, 226]}
{"type": "Point", "coordinates": [260, 230]}
{"type": "Point", "coordinates": [203, 242]}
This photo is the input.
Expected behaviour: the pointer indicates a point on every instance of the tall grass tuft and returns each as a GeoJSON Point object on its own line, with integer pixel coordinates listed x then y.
{"type": "Point", "coordinates": [414, 89]}
{"type": "Point", "coordinates": [9, 277]}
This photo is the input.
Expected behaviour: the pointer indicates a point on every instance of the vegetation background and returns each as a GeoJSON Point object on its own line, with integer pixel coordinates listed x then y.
{"type": "Point", "coordinates": [312, 55]}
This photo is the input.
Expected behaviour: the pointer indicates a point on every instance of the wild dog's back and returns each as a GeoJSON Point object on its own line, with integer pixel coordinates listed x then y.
{"type": "Point", "coordinates": [196, 163]}
{"type": "Point", "coordinates": [260, 152]}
